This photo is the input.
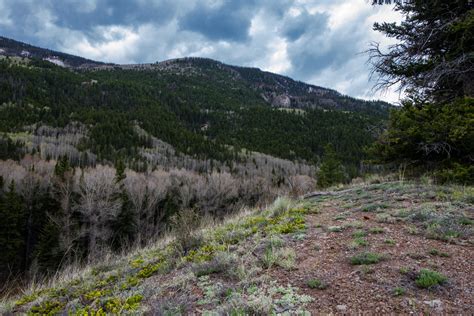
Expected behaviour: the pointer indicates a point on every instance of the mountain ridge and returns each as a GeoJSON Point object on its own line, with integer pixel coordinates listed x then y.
{"type": "Point", "coordinates": [275, 89]}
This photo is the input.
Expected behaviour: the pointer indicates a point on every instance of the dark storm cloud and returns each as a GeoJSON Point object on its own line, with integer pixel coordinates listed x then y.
{"type": "Point", "coordinates": [227, 21]}
{"type": "Point", "coordinates": [112, 12]}
{"type": "Point", "coordinates": [85, 15]}
{"type": "Point", "coordinates": [295, 27]}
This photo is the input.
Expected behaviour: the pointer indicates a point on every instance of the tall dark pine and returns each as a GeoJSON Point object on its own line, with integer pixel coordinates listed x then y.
{"type": "Point", "coordinates": [12, 242]}
{"type": "Point", "coordinates": [434, 62]}
{"type": "Point", "coordinates": [331, 170]}
{"type": "Point", "coordinates": [434, 59]}
{"type": "Point", "coordinates": [124, 225]}
{"type": "Point", "coordinates": [48, 251]}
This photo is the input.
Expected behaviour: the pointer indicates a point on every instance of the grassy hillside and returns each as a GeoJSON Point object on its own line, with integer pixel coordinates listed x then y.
{"type": "Point", "coordinates": [379, 248]}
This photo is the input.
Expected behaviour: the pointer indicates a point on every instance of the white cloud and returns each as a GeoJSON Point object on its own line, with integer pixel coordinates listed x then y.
{"type": "Point", "coordinates": [342, 46]}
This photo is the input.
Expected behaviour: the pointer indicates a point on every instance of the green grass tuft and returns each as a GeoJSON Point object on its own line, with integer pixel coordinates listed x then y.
{"type": "Point", "coordinates": [428, 279]}
{"type": "Point", "coordinates": [366, 258]}
{"type": "Point", "coordinates": [316, 284]}
{"type": "Point", "coordinates": [376, 230]}
{"type": "Point", "coordinates": [398, 291]}
{"type": "Point", "coordinates": [359, 234]}
{"type": "Point", "coordinates": [390, 242]}
{"type": "Point", "coordinates": [436, 252]}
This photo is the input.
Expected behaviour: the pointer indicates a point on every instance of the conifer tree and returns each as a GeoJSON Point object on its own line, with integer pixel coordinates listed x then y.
{"type": "Point", "coordinates": [124, 225]}
{"type": "Point", "coordinates": [49, 253]}
{"type": "Point", "coordinates": [11, 231]}
{"type": "Point", "coordinates": [331, 170]}
{"type": "Point", "coordinates": [62, 166]}
{"type": "Point", "coordinates": [433, 61]}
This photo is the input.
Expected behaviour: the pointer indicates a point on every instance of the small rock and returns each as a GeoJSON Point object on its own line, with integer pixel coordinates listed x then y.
{"type": "Point", "coordinates": [341, 308]}
{"type": "Point", "coordinates": [436, 304]}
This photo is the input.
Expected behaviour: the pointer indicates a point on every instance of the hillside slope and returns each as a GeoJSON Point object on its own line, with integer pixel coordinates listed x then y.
{"type": "Point", "coordinates": [190, 133]}
{"type": "Point", "coordinates": [382, 248]}
{"type": "Point", "coordinates": [201, 107]}
{"type": "Point", "coordinates": [274, 89]}
{"type": "Point", "coordinates": [10, 47]}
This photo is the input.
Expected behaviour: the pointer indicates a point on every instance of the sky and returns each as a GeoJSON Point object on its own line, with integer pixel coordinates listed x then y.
{"type": "Point", "coordinates": [321, 42]}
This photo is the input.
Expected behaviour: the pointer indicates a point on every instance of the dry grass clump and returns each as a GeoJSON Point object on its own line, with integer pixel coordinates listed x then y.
{"type": "Point", "coordinates": [280, 206]}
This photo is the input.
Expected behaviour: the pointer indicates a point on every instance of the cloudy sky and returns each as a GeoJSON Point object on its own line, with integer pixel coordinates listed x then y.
{"type": "Point", "coordinates": [316, 41]}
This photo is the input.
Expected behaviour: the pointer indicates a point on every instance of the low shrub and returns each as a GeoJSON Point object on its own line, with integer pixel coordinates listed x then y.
{"type": "Point", "coordinates": [184, 225]}
{"type": "Point", "coordinates": [366, 258]}
{"type": "Point", "coordinates": [316, 284]}
{"type": "Point", "coordinates": [222, 262]}
{"type": "Point", "coordinates": [428, 279]}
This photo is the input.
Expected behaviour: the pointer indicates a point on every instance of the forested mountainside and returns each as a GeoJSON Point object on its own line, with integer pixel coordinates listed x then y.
{"type": "Point", "coordinates": [201, 107]}
{"type": "Point", "coordinates": [97, 156]}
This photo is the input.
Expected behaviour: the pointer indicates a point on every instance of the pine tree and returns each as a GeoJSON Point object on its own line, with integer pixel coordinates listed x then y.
{"type": "Point", "coordinates": [47, 233]}
{"type": "Point", "coordinates": [432, 131]}
{"type": "Point", "coordinates": [48, 252]}
{"type": "Point", "coordinates": [124, 224]}
{"type": "Point", "coordinates": [331, 170]}
{"type": "Point", "coordinates": [11, 231]}
{"type": "Point", "coordinates": [434, 54]}
{"type": "Point", "coordinates": [62, 166]}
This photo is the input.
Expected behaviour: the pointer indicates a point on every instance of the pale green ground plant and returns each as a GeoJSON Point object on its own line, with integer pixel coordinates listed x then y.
{"type": "Point", "coordinates": [335, 229]}
{"type": "Point", "coordinates": [385, 218]}
{"type": "Point", "coordinates": [399, 291]}
{"type": "Point", "coordinates": [358, 242]}
{"type": "Point", "coordinates": [280, 206]}
{"type": "Point", "coordinates": [268, 298]}
{"type": "Point", "coordinates": [286, 258]}
{"type": "Point", "coordinates": [355, 224]}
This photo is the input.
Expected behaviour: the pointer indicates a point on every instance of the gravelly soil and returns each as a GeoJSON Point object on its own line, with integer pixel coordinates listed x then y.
{"type": "Point", "coordinates": [325, 254]}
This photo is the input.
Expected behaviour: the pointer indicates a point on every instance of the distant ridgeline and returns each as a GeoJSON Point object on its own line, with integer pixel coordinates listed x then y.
{"type": "Point", "coordinates": [201, 108]}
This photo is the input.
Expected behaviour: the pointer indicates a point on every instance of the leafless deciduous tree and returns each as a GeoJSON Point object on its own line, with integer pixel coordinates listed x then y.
{"type": "Point", "coordinates": [64, 188]}
{"type": "Point", "coordinates": [98, 204]}
{"type": "Point", "coordinates": [216, 192]}
{"type": "Point", "coordinates": [94, 194]}
{"type": "Point", "coordinates": [145, 191]}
